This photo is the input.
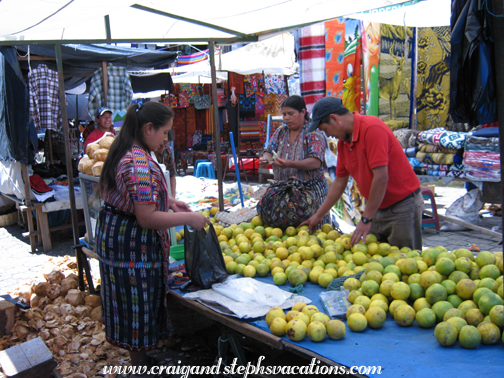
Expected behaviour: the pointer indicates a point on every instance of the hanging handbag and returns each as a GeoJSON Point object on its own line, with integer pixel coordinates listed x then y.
{"type": "Point", "coordinates": [183, 100]}
{"type": "Point", "coordinates": [201, 101]}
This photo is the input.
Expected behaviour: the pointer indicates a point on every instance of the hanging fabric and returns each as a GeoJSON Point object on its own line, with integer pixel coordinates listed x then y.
{"type": "Point", "coordinates": [334, 57]}
{"type": "Point", "coordinates": [352, 62]}
{"type": "Point", "coordinates": [312, 63]}
{"type": "Point", "coordinates": [120, 91]}
{"type": "Point", "coordinates": [45, 107]}
{"type": "Point", "coordinates": [371, 61]}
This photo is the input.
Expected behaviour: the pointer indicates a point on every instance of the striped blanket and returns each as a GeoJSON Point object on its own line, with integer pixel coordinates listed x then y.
{"type": "Point", "coordinates": [312, 63]}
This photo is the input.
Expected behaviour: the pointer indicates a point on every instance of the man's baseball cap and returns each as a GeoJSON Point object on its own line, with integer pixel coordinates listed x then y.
{"type": "Point", "coordinates": [322, 108]}
{"type": "Point", "coordinates": [102, 110]}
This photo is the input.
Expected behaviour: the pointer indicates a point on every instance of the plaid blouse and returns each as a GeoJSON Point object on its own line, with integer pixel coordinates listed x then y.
{"type": "Point", "coordinates": [305, 145]}
{"type": "Point", "coordinates": [120, 91]}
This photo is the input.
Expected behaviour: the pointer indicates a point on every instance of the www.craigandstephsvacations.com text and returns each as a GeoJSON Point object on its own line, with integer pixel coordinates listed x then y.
{"type": "Point", "coordinates": [251, 369]}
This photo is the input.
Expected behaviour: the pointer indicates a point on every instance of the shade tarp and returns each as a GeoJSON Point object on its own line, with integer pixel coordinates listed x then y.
{"type": "Point", "coordinates": [274, 55]}
{"type": "Point", "coordinates": [83, 21]}
{"type": "Point", "coordinates": [425, 13]}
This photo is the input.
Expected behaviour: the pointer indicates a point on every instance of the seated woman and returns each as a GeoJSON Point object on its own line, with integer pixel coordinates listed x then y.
{"type": "Point", "coordinates": [132, 242]}
{"type": "Point", "coordinates": [298, 153]}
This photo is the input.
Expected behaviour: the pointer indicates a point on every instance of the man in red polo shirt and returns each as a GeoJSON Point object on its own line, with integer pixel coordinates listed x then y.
{"type": "Point", "coordinates": [370, 153]}
{"type": "Point", "coordinates": [104, 123]}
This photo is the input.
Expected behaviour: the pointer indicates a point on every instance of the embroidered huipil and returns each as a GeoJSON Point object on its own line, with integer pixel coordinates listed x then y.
{"type": "Point", "coordinates": [305, 145]}
{"type": "Point", "coordinates": [140, 180]}
{"type": "Point", "coordinates": [120, 91]}
{"type": "Point", "coordinates": [44, 99]}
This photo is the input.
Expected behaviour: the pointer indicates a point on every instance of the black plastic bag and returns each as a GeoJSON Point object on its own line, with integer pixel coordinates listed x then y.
{"type": "Point", "coordinates": [203, 258]}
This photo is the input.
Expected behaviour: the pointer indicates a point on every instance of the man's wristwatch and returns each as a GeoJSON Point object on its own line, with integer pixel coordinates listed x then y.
{"type": "Point", "coordinates": [366, 220]}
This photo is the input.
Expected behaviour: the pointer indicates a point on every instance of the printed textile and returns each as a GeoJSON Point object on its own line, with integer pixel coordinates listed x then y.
{"type": "Point", "coordinates": [312, 64]}
{"type": "Point", "coordinates": [45, 107]}
{"type": "Point", "coordinates": [351, 73]}
{"type": "Point", "coordinates": [120, 91]}
{"type": "Point", "coordinates": [439, 158]}
{"type": "Point", "coordinates": [371, 63]}
{"type": "Point", "coordinates": [442, 137]}
{"type": "Point", "coordinates": [274, 84]}
{"type": "Point", "coordinates": [395, 72]}
{"type": "Point", "coordinates": [433, 77]}
{"type": "Point", "coordinates": [334, 56]}
{"type": "Point", "coordinates": [474, 143]}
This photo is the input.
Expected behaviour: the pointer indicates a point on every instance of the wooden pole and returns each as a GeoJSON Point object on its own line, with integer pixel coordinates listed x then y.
{"type": "Point", "coordinates": [211, 45]}
{"type": "Point", "coordinates": [498, 30]}
{"type": "Point", "coordinates": [105, 83]}
{"type": "Point", "coordinates": [68, 156]}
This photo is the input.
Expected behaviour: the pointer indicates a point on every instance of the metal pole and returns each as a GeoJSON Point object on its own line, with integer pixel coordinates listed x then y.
{"type": "Point", "coordinates": [211, 45]}
{"type": "Point", "coordinates": [66, 132]}
{"type": "Point", "coordinates": [498, 36]}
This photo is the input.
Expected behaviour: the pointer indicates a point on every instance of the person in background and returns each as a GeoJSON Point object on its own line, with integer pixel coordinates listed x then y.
{"type": "Point", "coordinates": [300, 153]}
{"type": "Point", "coordinates": [165, 156]}
{"type": "Point", "coordinates": [132, 242]}
{"type": "Point", "coordinates": [370, 153]}
{"type": "Point", "coordinates": [104, 123]}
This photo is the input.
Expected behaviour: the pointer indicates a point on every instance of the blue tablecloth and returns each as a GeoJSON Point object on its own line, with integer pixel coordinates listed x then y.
{"type": "Point", "coordinates": [401, 352]}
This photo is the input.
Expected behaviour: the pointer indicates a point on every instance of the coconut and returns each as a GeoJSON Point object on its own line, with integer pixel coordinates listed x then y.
{"type": "Point", "coordinates": [55, 277]}
{"type": "Point", "coordinates": [82, 311]}
{"type": "Point", "coordinates": [74, 297]}
{"type": "Point", "coordinates": [93, 300]}
{"type": "Point", "coordinates": [41, 289]}
{"type": "Point", "coordinates": [53, 291]}
{"type": "Point", "coordinates": [96, 314]}
{"type": "Point", "coordinates": [68, 284]}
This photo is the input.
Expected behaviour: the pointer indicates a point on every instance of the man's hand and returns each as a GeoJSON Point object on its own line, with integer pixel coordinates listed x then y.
{"type": "Point", "coordinates": [360, 233]}
{"type": "Point", "coordinates": [312, 222]}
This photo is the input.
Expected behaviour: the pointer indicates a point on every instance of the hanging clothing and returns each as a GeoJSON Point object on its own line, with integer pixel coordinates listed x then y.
{"type": "Point", "coordinates": [45, 107]}
{"type": "Point", "coordinates": [120, 91]}
{"type": "Point", "coordinates": [473, 93]}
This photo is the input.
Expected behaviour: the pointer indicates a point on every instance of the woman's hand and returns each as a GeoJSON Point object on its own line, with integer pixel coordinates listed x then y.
{"type": "Point", "coordinates": [282, 163]}
{"type": "Point", "coordinates": [263, 160]}
{"type": "Point", "coordinates": [198, 221]}
{"type": "Point", "coordinates": [180, 206]}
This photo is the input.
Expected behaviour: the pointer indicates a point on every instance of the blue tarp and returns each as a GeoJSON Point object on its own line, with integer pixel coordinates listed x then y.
{"type": "Point", "coordinates": [14, 110]}
{"type": "Point", "coordinates": [86, 59]}
{"type": "Point", "coordinates": [400, 351]}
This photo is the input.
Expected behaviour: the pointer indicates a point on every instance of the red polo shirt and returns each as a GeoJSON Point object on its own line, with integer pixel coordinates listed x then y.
{"type": "Point", "coordinates": [374, 145]}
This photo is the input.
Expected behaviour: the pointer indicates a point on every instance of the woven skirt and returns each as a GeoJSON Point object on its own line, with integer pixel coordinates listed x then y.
{"type": "Point", "coordinates": [132, 289]}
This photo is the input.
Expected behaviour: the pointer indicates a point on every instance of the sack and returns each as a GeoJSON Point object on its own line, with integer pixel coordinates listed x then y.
{"type": "Point", "coordinates": [201, 101]}
{"type": "Point", "coordinates": [465, 208]}
{"type": "Point", "coordinates": [203, 258]}
{"type": "Point", "coordinates": [288, 203]}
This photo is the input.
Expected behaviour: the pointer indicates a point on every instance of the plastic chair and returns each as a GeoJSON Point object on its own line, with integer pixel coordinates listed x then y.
{"type": "Point", "coordinates": [429, 221]}
{"type": "Point", "coordinates": [197, 162]}
{"type": "Point", "coordinates": [205, 169]}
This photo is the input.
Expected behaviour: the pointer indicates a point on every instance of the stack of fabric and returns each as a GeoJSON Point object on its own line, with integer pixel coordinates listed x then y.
{"type": "Point", "coordinates": [440, 153]}
{"type": "Point", "coordinates": [482, 155]}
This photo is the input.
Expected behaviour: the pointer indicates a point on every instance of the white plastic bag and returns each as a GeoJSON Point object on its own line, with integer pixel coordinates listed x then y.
{"type": "Point", "coordinates": [248, 290]}
{"type": "Point", "coordinates": [465, 208]}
